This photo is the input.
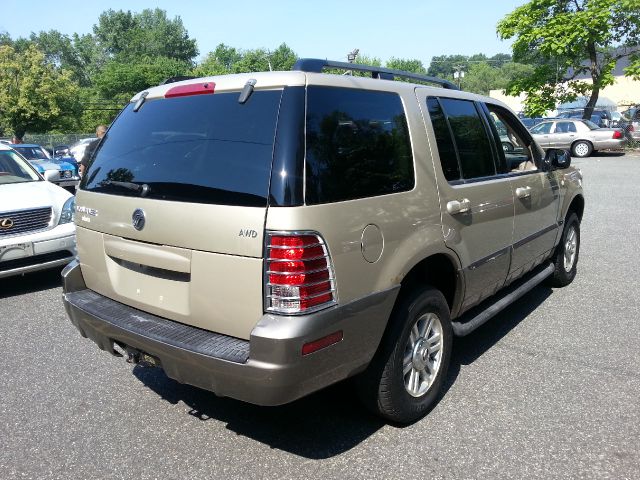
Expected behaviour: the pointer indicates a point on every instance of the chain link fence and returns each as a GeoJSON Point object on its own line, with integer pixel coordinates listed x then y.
{"type": "Point", "coordinates": [55, 139]}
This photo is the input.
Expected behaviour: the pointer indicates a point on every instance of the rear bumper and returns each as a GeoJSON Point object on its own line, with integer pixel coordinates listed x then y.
{"type": "Point", "coordinates": [269, 369]}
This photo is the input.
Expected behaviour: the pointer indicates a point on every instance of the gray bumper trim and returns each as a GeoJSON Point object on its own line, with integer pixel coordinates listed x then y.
{"type": "Point", "coordinates": [160, 329]}
{"type": "Point", "coordinates": [275, 371]}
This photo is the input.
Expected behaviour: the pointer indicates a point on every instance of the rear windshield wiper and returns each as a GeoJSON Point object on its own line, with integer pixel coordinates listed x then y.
{"type": "Point", "coordinates": [143, 189]}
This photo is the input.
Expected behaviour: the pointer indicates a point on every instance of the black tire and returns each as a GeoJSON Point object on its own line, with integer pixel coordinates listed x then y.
{"type": "Point", "coordinates": [581, 149]}
{"type": "Point", "coordinates": [564, 273]}
{"type": "Point", "coordinates": [382, 386]}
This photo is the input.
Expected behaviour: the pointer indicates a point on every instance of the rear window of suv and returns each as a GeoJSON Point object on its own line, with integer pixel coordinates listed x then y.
{"type": "Point", "coordinates": [201, 149]}
{"type": "Point", "coordinates": [357, 145]}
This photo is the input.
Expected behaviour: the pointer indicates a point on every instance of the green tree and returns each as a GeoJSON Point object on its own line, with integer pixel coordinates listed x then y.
{"type": "Point", "coordinates": [225, 59]}
{"type": "Point", "coordinates": [34, 96]}
{"type": "Point", "coordinates": [483, 77]}
{"type": "Point", "coordinates": [569, 38]}
{"type": "Point", "coordinates": [408, 65]}
{"type": "Point", "coordinates": [131, 36]}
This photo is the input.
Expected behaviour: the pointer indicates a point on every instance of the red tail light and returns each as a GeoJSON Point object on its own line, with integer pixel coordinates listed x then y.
{"type": "Point", "coordinates": [617, 134]}
{"type": "Point", "coordinates": [299, 276]}
{"type": "Point", "coordinates": [190, 89]}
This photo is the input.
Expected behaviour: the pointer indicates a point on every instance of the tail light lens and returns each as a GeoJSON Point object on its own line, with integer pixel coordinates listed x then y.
{"type": "Point", "coordinates": [617, 134]}
{"type": "Point", "coordinates": [299, 275]}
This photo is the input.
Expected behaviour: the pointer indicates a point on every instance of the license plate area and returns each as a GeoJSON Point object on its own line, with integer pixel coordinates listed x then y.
{"type": "Point", "coordinates": [16, 250]}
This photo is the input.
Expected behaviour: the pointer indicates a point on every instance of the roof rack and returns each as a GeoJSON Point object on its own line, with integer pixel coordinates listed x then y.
{"type": "Point", "coordinates": [317, 65]}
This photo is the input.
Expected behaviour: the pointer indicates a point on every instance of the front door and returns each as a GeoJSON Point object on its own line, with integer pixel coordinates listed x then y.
{"type": "Point", "coordinates": [535, 191]}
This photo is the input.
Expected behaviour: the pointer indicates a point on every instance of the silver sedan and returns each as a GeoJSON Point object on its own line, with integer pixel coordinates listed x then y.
{"type": "Point", "coordinates": [582, 137]}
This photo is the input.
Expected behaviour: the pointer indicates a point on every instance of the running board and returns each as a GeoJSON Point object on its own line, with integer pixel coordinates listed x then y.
{"type": "Point", "coordinates": [473, 319]}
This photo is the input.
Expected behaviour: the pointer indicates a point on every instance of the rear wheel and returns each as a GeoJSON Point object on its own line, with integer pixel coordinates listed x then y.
{"type": "Point", "coordinates": [565, 259]}
{"type": "Point", "coordinates": [405, 377]}
{"type": "Point", "coordinates": [581, 149]}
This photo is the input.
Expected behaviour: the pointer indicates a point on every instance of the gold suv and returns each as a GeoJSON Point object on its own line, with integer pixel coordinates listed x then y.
{"type": "Point", "coordinates": [265, 235]}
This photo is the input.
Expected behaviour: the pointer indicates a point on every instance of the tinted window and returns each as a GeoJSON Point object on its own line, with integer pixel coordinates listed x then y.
{"type": "Point", "coordinates": [203, 148]}
{"type": "Point", "coordinates": [542, 128]}
{"type": "Point", "coordinates": [565, 127]}
{"type": "Point", "coordinates": [446, 149]}
{"type": "Point", "coordinates": [472, 142]}
{"type": "Point", "coordinates": [357, 145]}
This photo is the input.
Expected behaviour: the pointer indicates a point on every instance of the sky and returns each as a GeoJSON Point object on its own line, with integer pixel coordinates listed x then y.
{"type": "Point", "coordinates": [320, 29]}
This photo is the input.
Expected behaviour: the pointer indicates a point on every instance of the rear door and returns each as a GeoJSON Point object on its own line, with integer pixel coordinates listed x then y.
{"type": "Point", "coordinates": [476, 202]}
{"type": "Point", "coordinates": [171, 211]}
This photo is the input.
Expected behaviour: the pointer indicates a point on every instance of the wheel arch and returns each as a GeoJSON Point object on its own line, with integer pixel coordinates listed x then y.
{"type": "Point", "coordinates": [576, 206]}
{"type": "Point", "coordinates": [439, 271]}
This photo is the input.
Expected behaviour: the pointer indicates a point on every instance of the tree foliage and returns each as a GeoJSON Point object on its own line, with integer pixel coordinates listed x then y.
{"type": "Point", "coordinates": [224, 60]}
{"type": "Point", "coordinates": [567, 39]}
{"type": "Point", "coordinates": [35, 96]}
{"type": "Point", "coordinates": [132, 36]}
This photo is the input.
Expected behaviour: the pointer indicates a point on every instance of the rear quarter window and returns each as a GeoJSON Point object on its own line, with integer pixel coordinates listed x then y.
{"type": "Point", "coordinates": [357, 145]}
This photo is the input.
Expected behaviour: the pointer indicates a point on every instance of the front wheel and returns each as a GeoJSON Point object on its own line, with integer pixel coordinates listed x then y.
{"type": "Point", "coordinates": [581, 149]}
{"type": "Point", "coordinates": [565, 260]}
{"type": "Point", "coordinates": [405, 377]}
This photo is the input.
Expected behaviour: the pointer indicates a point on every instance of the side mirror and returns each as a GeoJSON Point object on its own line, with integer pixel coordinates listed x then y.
{"type": "Point", "coordinates": [557, 158]}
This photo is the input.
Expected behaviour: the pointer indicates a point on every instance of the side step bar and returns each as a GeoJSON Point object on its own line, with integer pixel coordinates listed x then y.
{"type": "Point", "coordinates": [474, 318]}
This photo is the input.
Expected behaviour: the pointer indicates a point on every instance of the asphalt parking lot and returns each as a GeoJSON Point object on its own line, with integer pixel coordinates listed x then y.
{"type": "Point", "coordinates": [550, 388]}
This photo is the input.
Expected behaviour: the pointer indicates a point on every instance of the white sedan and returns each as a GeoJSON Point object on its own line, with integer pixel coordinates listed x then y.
{"type": "Point", "coordinates": [36, 219]}
{"type": "Point", "coordinates": [582, 137]}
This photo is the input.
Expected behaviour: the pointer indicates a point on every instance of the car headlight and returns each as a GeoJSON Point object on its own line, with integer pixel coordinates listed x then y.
{"type": "Point", "coordinates": [68, 209]}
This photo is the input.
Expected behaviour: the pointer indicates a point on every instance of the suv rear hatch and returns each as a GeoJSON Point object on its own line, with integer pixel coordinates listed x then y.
{"type": "Point", "coordinates": [171, 211]}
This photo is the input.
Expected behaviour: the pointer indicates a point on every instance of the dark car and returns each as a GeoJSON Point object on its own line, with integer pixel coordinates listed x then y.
{"type": "Point", "coordinates": [602, 118]}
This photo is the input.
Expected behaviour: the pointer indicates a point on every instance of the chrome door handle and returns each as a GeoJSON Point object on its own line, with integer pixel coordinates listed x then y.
{"type": "Point", "coordinates": [458, 206]}
{"type": "Point", "coordinates": [523, 192]}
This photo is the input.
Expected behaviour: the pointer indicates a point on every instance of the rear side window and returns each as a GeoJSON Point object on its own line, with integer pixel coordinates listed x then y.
{"type": "Point", "coordinates": [202, 149]}
{"type": "Point", "coordinates": [472, 142]}
{"type": "Point", "coordinates": [357, 145]}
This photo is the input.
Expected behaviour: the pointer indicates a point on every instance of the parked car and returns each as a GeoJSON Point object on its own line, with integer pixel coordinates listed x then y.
{"type": "Point", "coordinates": [62, 172]}
{"type": "Point", "coordinates": [632, 127]}
{"type": "Point", "coordinates": [36, 219]}
{"type": "Point", "coordinates": [582, 137]}
{"type": "Point", "coordinates": [265, 235]}
{"type": "Point", "coordinates": [78, 148]}
{"type": "Point", "coordinates": [61, 151]}
{"type": "Point", "coordinates": [602, 118]}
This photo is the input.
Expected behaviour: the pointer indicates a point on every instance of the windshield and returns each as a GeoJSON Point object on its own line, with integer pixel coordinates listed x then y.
{"type": "Point", "coordinates": [31, 153]}
{"type": "Point", "coordinates": [14, 169]}
{"type": "Point", "coordinates": [202, 149]}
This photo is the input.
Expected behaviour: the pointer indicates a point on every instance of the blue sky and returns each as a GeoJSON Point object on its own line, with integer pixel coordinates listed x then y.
{"type": "Point", "coordinates": [322, 29]}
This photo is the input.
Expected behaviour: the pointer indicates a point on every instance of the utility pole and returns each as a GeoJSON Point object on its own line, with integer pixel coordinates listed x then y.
{"type": "Point", "coordinates": [458, 74]}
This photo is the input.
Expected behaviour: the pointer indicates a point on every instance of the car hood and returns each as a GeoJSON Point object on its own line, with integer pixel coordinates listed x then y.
{"type": "Point", "coordinates": [51, 164]}
{"type": "Point", "coordinates": [19, 196]}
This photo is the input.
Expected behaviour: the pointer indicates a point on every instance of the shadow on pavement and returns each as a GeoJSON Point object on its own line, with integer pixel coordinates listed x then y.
{"type": "Point", "coordinates": [610, 153]}
{"type": "Point", "coordinates": [322, 425]}
{"type": "Point", "coordinates": [332, 421]}
{"type": "Point", "coordinates": [30, 283]}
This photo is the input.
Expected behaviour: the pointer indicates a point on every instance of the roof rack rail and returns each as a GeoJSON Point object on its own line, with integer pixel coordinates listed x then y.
{"type": "Point", "coordinates": [177, 78]}
{"type": "Point", "coordinates": [316, 65]}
